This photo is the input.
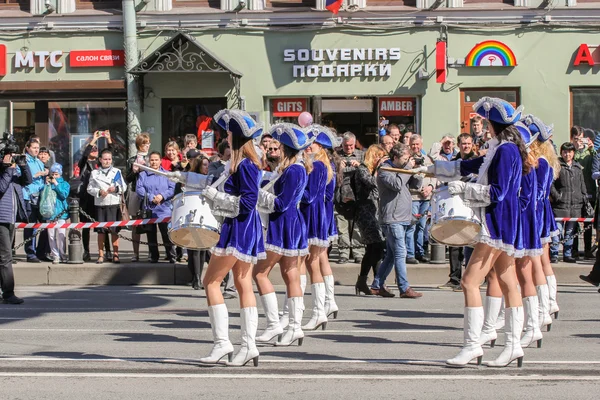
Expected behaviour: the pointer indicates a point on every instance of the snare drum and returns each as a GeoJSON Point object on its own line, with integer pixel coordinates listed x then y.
{"type": "Point", "coordinates": [193, 225]}
{"type": "Point", "coordinates": [453, 223]}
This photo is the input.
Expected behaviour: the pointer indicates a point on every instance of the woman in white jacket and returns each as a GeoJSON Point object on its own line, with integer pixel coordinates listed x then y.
{"type": "Point", "coordinates": [106, 186]}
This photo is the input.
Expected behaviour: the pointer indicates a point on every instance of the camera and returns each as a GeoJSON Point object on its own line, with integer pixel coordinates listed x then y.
{"type": "Point", "coordinates": [419, 161]}
{"type": "Point", "coordinates": [8, 145]}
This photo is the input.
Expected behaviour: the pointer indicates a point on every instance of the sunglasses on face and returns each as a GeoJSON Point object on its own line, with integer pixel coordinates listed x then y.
{"type": "Point", "coordinates": [273, 148]}
{"type": "Point", "coordinates": [94, 149]}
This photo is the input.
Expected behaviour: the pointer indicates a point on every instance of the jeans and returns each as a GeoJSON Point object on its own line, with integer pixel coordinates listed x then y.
{"type": "Point", "coordinates": [415, 234]}
{"type": "Point", "coordinates": [395, 256]}
{"type": "Point", "coordinates": [32, 216]}
{"type": "Point", "coordinates": [570, 229]}
{"type": "Point", "coordinates": [7, 278]}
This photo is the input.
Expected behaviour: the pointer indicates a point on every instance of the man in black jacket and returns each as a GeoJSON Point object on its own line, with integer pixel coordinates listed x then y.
{"type": "Point", "coordinates": [568, 195]}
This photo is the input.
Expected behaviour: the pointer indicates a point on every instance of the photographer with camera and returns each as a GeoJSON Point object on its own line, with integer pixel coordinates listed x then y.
{"type": "Point", "coordinates": [421, 189]}
{"type": "Point", "coordinates": [14, 175]}
{"type": "Point", "coordinates": [31, 194]}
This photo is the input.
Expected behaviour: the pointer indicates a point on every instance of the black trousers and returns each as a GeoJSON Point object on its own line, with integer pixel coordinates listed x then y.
{"type": "Point", "coordinates": [153, 239]}
{"type": "Point", "coordinates": [373, 255]}
{"type": "Point", "coordinates": [7, 278]}
{"type": "Point", "coordinates": [595, 272]}
{"type": "Point", "coordinates": [196, 260]}
{"type": "Point", "coordinates": [456, 258]}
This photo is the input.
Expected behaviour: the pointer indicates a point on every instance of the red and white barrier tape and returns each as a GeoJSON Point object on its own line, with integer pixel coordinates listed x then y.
{"type": "Point", "coordinates": [135, 222]}
{"type": "Point", "coordinates": [574, 219]}
{"type": "Point", "coordinates": [83, 225]}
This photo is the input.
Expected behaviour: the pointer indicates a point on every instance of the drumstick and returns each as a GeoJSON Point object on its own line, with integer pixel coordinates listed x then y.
{"type": "Point", "coordinates": [156, 171]}
{"type": "Point", "coordinates": [405, 171]}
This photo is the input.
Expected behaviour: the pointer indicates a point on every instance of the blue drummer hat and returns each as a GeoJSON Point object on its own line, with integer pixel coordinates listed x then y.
{"type": "Point", "coordinates": [536, 125]}
{"type": "Point", "coordinates": [324, 136]}
{"type": "Point", "coordinates": [498, 110]}
{"type": "Point", "coordinates": [527, 136]}
{"type": "Point", "coordinates": [239, 123]}
{"type": "Point", "coordinates": [291, 135]}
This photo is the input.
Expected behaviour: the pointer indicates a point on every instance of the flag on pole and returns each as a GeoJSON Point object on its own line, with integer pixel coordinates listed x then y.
{"type": "Point", "coordinates": [333, 5]}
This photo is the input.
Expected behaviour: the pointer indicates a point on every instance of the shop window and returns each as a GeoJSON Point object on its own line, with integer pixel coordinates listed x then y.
{"type": "Point", "coordinates": [23, 5]}
{"type": "Point", "coordinates": [384, 3]}
{"type": "Point", "coordinates": [197, 3]}
{"type": "Point", "coordinates": [290, 3]}
{"type": "Point", "coordinates": [72, 124]}
{"type": "Point", "coordinates": [584, 107]}
{"type": "Point", "coordinates": [468, 97]}
{"type": "Point", "coordinates": [468, 2]}
{"type": "Point", "coordinates": [99, 4]}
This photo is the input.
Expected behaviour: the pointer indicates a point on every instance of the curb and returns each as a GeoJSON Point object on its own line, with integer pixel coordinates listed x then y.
{"type": "Point", "coordinates": [178, 274]}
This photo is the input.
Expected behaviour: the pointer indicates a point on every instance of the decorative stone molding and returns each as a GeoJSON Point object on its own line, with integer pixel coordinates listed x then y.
{"type": "Point", "coordinates": [521, 3]}
{"type": "Point", "coordinates": [65, 6]}
{"type": "Point", "coordinates": [455, 3]}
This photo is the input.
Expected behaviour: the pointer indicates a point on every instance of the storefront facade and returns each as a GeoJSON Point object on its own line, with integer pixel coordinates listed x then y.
{"type": "Point", "coordinates": [63, 87]}
{"type": "Point", "coordinates": [349, 79]}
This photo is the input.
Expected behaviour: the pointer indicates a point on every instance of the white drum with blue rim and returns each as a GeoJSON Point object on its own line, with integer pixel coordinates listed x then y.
{"type": "Point", "coordinates": [453, 222]}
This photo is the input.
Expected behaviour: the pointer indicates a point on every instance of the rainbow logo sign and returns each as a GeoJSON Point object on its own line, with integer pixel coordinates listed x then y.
{"type": "Point", "coordinates": [491, 53]}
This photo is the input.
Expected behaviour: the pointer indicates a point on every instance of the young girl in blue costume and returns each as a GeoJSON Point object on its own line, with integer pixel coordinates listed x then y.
{"type": "Point", "coordinates": [548, 171]}
{"type": "Point", "coordinates": [286, 235]}
{"type": "Point", "coordinates": [495, 197]}
{"type": "Point", "coordinates": [241, 242]}
{"type": "Point", "coordinates": [313, 209]}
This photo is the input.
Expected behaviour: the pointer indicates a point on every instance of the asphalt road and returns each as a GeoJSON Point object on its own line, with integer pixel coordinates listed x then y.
{"type": "Point", "coordinates": [144, 342]}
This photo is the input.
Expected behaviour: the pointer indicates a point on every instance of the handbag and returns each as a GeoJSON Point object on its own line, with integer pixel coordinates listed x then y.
{"type": "Point", "coordinates": [143, 213]}
{"type": "Point", "coordinates": [124, 210]}
{"type": "Point", "coordinates": [588, 209]}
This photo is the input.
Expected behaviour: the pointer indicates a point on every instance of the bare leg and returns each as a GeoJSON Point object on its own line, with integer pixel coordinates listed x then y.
{"type": "Point", "coordinates": [547, 266]}
{"type": "Point", "coordinates": [291, 276]}
{"type": "Point", "coordinates": [261, 272]}
{"type": "Point", "coordinates": [525, 276]}
{"type": "Point", "coordinates": [324, 264]}
{"type": "Point", "coordinates": [242, 276]}
{"type": "Point", "coordinates": [480, 264]}
{"type": "Point", "coordinates": [493, 286]}
{"type": "Point", "coordinates": [312, 263]}
{"type": "Point", "coordinates": [539, 278]}
{"type": "Point", "coordinates": [136, 244]}
{"type": "Point", "coordinates": [218, 267]}
{"type": "Point", "coordinates": [101, 237]}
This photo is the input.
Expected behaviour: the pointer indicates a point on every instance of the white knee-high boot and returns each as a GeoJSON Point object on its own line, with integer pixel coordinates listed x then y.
{"type": "Point", "coordinates": [473, 323]}
{"type": "Point", "coordinates": [318, 317]}
{"type": "Point", "coordinates": [269, 302]}
{"type": "Point", "coordinates": [284, 320]}
{"type": "Point", "coordinates": [488, 332]}
{"type": "Point", "coordinates": [543, 296]}
{"type": "Point", "coordinates": [500, 320]}
{"type": "Point", "coordinates": [552, 290]}
{"type": "Point", "coordinates": [219, 322]}
{"type": "Point", "coordinates": [512, 348]}
{"type": "Point", "coordinates": [330, 305]}
{"type": "Point", "coordinates": [532, 324]}
{"type": "Point", "coordinates": [248, 350]}
{"type": "Point", "coordinates": [294, 330]}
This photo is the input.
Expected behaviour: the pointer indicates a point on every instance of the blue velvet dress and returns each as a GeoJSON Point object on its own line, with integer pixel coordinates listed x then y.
{"type": "Point", "coordinates": [547, 223]}
{"type": "Point", "coordinates": [286, 234]}
{"type": "Point", "coordinates": [312, 206]}
{"type": "Point", "coordinates": [242, 236]}
{"type": "Point", "coordinates": [329, 208]}
{"type": "Point", "coordinates": [532, 245]}
{"type": "Point", "coordinates": [502, 218]}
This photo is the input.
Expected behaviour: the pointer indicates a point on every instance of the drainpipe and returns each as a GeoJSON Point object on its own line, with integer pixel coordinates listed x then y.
{"type": "Point", "coordinates": [131, 60]}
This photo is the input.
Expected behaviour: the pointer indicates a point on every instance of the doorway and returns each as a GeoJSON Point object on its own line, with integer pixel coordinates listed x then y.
{"type": "Point", "coordinates": [191, 116]}
{"type": "Point", "coordinates": [468, 97]}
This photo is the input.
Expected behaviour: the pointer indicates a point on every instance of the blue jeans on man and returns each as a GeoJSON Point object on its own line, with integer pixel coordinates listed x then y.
{"type": "Point", "coordinates": [395, 256]}
{"type": "Point", "coordinates": [570, 229]}
{"type": "Point", "coordinates": [415, 234]}
{"type": "Point", "coordinates": [32, 215]}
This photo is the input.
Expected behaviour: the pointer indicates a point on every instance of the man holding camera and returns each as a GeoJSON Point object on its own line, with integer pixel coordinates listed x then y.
{"type": "Point", "coordinates": [421, 189]}
{"type": "Point", "coordinates": [14, 175]}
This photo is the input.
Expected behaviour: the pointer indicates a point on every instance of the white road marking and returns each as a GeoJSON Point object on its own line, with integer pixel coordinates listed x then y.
{"type": "Point", "coordinates": [273, 361]}
{"type": "Point", "coordinates": [125, 330]}
{"type": "Point", "coordinates": [431, 377]}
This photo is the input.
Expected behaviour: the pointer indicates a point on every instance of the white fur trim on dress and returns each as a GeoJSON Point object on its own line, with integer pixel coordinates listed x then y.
{"type": "Point", "coordinates": [332, 238]}
{"type": "Point", "coordinates": [531, 253]}
{"type": "Point", "coordinates": [318, 242]}
{"type": "Point", "coordinates": [509, 249]}
{"type": "Point", "coordinates": [232, 251]}
{"type": "Point", "coordinates": [286, 252]}
{"type": "Point", "coordinates": [546, 240]}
